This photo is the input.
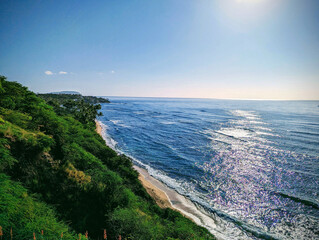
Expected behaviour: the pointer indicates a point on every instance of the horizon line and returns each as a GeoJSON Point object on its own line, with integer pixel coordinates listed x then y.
{"type": "Point", "coordinates": [211, 98]}
{"type": "Point", "coordinates": [243, 99]}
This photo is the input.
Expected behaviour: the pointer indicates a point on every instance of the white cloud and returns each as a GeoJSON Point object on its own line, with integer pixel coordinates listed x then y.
{"type": "Point", "coordinates": [48, 73]}
{"type": "Point", "coordinates": [61, 72]}
{"type": "Point", "coordinates": [112, 71]}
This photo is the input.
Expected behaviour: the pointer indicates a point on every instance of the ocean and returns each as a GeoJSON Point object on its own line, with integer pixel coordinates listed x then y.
{"type": "Point", "coordinates": [253, 166]}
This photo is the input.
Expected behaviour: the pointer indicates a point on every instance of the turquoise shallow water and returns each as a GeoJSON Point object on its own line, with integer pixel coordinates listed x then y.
{"type": "Point", "coordinates": [253, 165]}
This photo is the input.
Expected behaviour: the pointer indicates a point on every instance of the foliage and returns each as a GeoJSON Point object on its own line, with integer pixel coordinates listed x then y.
{"type": "Point", "coordinates": [75, 97]}
{"type": "Point", "coordinates": [77, 179]}
{"type": "Point", "coordinates": [25, 214]}
{"type": "Point", "coordinates": [83, 108]}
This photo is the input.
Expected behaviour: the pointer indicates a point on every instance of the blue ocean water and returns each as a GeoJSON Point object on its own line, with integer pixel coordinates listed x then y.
{"type": "Point", "coordinates": [252, 165]}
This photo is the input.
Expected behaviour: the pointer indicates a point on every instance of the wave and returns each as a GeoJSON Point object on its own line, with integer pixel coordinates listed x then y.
{"type": "Point", "coordinates": [306, 133]}
{"type": "Point", "coordinates": [237, 133]}
{"type": "Point", "coordinates": [262, 128]}
{"type": "Point", "coordinates": [139, 112]}
{"type": "Point", "coordinates": [255, 231]}
{"type": "Point", "coordinates": [168, 122]}
{"type": "Point", "coordinates": [107, 138]}
{"type": "Point", "coordinates": [257, 122]}
{"type": "Point", "coordinates": [268, 134]}
{"type": "Point", "coordinates": [298, 200]}
{"type": "Point", "coordinates": [313, 124]}
{"type": "Point", "coordinates": [119, 123]}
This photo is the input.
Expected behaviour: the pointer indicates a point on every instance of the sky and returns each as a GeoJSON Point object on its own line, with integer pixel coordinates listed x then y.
{"type": "Point", "coordinates": [239, 49]}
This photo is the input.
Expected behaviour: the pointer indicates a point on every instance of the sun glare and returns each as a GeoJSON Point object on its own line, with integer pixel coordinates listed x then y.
{"type": "Point", "coordinates": [244, 15]}
{"type": "Point", "coordinates": [248, 1]}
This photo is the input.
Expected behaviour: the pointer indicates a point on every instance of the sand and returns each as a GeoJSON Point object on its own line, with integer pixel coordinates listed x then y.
{"type": "Point", "coordinates": [98, 128]}
{"type": "Point", "coordinates": [158, 195]}
{"type": "Point", "coordinates": [166, 197]}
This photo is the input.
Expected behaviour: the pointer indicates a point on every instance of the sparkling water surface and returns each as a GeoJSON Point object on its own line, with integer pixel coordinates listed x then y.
{"type": "Point", "coordinates": [252, 165]}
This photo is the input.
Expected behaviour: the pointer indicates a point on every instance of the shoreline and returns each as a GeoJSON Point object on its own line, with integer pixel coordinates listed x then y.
{"type": "Point", "coordinates": [156, 193]}
{"type": "Point", "coordinates": [166, 197]}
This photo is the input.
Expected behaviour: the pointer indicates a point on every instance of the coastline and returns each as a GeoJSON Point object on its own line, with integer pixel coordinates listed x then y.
{"type": "Point", "coordinates": [167, 197]}
{"type": "Point", "coordinates": [156, 193]}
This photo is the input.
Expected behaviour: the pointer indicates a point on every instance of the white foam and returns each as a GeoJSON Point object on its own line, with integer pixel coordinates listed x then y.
{"type": "Point", "coordinates": [119, 123]}
{"type": "Point", "coordinates": [257, 122]}
{"type": "Point", "coordinates": [107, 138]}
{"type": "Point", "coordinates": [139, 112]}
{"type": "Point", "coordinates": [265, 133]}
{"type": "Point", "coordinates": [167, 122]}
{"type": "Point", "coordinates": [263, 128]}
{"type": "Point", "coordinates": [235, 132]}
{"type": "Point", "coordinates": [116, 122]}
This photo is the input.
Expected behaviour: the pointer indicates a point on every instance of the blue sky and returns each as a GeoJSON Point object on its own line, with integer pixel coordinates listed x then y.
{"type": "Point", "coordinates": [249, 49]}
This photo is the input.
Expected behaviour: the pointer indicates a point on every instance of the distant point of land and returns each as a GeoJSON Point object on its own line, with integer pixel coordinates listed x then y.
{"type": "Point", "coordinates": [67, 92]}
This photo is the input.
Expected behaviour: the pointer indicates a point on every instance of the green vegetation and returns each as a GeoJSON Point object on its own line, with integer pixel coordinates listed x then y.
{"type": "Point", "coordinates": [57, 174]}
{"type": "Point", "coordinates": [61, 97]}
{"type": "Point", "coordinates": [82, 108]}
{"type": "Point", "coordinates": [25, 215]}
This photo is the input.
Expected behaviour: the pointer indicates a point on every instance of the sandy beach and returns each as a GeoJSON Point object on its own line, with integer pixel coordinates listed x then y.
{"type": "Point", "coordinates": [166, 197]}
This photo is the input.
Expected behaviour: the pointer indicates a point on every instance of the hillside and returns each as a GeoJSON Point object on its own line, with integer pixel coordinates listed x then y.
{"type": "Point", "coordinates": [57, 175]}
{"type": "Point", "coordinates": [75, 97]}
{"type": "Point", "coordinates": [66, 92]}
